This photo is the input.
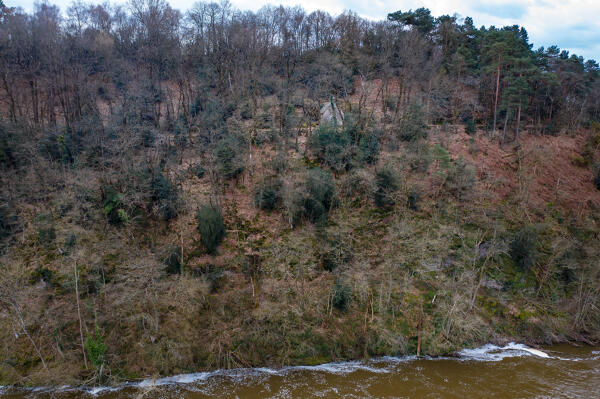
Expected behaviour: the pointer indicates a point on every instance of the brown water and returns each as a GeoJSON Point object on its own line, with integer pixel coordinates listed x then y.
{"type": "Point", "coordinates": [488, 372]}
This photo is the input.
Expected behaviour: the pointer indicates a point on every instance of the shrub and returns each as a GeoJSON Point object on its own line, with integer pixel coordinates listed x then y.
{"type": "Point", "coordinates": [412, 127]}
{"type": "Point", "coordinates": [460, 179]}
{"type": "Point", "coordinates": [229, 158]}
{"type": "Point", "coordinates": [172, 260]}
{"type": "Point", "coordinates": [112, 205]}
{"type": "Point", "coordinates": [342, 296]}
{"type": "Point", "coordinates": [359, 185]}
{"type": "Point", "coordinates": [214, 277]}
{"type": "Point", "coordinates": [418, 156]}
{"type": "Point", "coordinates": [470, 127]}
{"type": "Point", "coordinates": [597, 178]}
{"type": "Point", "coordinates": [343, 148]}
{"type": "Point", "coordinates": [321, 195]}
{"type": "Point", "coordinates": [267, 195]}
{"type": "Point", "coordinates": [332, 146]}
{"type": "Point", "coordinates": [369, 147]}
{"type": "Point", "coordinates": [211, 227]}
{"type": "Point", "coordinates": [333, 252]}
{"type": "Point", "coordinates": [164, 195]}
{"type": "Point", "coordinates": [523, 248]}
{"type": "Point", "coordinates": [413, 199]}
{"type": "Point", "coordinates": [96, 349]}
{"type": "Point", "coordinates": [387, 184]}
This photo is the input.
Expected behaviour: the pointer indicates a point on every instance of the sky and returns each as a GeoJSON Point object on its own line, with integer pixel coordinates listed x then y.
{"type": "Point", "coordinates": [572, 25]}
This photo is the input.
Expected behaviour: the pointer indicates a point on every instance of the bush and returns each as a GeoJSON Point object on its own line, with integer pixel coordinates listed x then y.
{"type": "Point", "coordinates": [341, 149]}
{"type": "Point", "coordinates": [172, 260]}
{"type": "Point", "coordinates": [229, 158]}
{"type": "Point", "coordinates": [333, 252]}
{"type": "Point", "coordinates": [470, 127]}
{"type": "Point", "coordinates": [332, 146]}
{"type": "Point", "coordinates": [211, 227]}
{"type": "Point", "coordinates": [387, 184]}
{"type": "Point", "coordinates": [597, 178]}
{"type": "Point", "coordinates": [412, 127]}
{"type": "Point", "coordinates": [414, 197]}
{"type": "Point", "coordinates": [342, 296]}
{"type": "Point", "coordinates": [112, 205]}
{"type": "Point", "coordinates": [523, 248]}
{"type": "Point", "coordinates": [460, 179]}
{"type": "Point", "coordinates": [418, 156]}
{"type": "Point", "coordinates": [96, 349]}
{"type": "Point", "coordinates": [321, 195]}
{"type": "Point", "coordinates": [359, 185]}
{"type": "Point", "coordinates": [164, 195]}
{"type": "Point", "coordinates": [267, 195]}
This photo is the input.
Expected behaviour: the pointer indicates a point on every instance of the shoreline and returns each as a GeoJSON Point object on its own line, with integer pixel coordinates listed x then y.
{"type": "Point", "coordinates": [493, 351]}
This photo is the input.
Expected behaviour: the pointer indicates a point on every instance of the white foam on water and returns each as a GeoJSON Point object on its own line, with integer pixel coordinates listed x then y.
{"type": "Point", "coordinates": [96, 390]}
{"type": "Point", "coordinates": [176, 379]}
{"type": "Point", "coordinates": [340, 368]}
{"type": "Point", "coordinates": [494, 353]}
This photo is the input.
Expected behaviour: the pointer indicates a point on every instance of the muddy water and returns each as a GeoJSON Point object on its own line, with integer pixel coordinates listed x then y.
{"type": "Point", "coordinates": [512, 371]}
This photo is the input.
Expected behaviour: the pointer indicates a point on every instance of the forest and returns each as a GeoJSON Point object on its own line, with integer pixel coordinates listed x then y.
{"type": "Point", "coordinates": [172, 198]}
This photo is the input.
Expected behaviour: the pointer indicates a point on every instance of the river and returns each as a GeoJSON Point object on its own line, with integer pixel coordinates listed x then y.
{"type": "Point", "coordinates": [511, 371]}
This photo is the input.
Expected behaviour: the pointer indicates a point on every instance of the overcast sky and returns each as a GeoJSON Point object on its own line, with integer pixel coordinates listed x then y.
{"type": "Point", "coordinates": [573, 25]}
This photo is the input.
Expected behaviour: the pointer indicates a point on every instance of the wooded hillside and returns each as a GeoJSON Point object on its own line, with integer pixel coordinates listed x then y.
{"type": "Point", "coordinates": [170, 200]}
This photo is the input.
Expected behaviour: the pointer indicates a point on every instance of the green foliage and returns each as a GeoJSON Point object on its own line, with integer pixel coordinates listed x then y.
{"type": "Point", "coordinates": [523, 248]}
{"type": "Point", "coordinates": [413, 198]}
{"type": "Point", "coordinates": [267, 194]}
{"type": "Point", "coordinates": [164, 195]}
{"type": "Point", "coordinates": [460, 179]}
{"type": "Point", "coordinates": [229, 157]}
{"type": "Point", "coordinates": [211, 227]}
{"type": "Point", "coordinates": [96, 349]}
{"type": "Point", "coordinates": [332, 146]}
{"type": "Point", "coordinates": [470, 127]}
{"type": "Point", "coordinates": [412, 127]}
{"type": "Point", "coordinates": [342, 148]}
{"type": "Point", "coordinates": [112, 205]}
{"type": "Point", "coordinates": [387, 182]}
{"type": "Point", "coordinates": [321, 195]}
{"type": "Point", "coordinates": [580, 162]}
{"type": "Point", "coordinates": [342, 296]}
{"type": "Point", "coordinates": [420, 19]}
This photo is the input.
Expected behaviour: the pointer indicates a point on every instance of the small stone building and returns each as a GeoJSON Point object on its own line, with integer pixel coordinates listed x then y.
{"type": "Point", "coordinates": [330, 113]}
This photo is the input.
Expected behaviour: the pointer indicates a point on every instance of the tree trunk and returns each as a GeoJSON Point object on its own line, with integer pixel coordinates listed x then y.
{"type": "Point", "coordinates": [518, 123]}
{"type": "Point", "coordinates": [497, 95]}
{"type": "Point", "coordinates": [504, 130]}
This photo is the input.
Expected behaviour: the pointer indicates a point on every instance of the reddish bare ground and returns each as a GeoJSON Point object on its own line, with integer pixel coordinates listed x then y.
{"type": "Point", "coordinates": [539, 171]}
